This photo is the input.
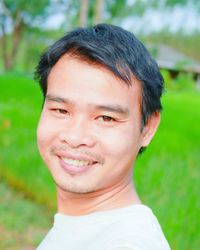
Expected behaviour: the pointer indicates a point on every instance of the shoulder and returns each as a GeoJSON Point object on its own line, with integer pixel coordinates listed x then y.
{"type": "Point", "coordinates": [136, 243]}
{"type": "Point", "coordinates": [136, 229]}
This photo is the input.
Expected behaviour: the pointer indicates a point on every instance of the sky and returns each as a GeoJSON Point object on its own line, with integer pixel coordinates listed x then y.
{"type": "Point", "coordinates": [179, 17]}
{"type": "Point", "coordinates": [153, 20]}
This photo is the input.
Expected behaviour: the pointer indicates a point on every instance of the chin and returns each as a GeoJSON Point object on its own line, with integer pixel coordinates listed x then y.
{"type": "Point", "coordinates": [72, 187]}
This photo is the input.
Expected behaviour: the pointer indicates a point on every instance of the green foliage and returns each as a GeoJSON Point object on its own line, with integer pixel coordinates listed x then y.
{"type": "Point", "coordinates": [18, 121]}
{"type": "Point", "coordinates": [117, 10]}
{"type": "Point", "coordinates": [34, 42]}
{"type": "Point", "coordinates": [23, 222]}
{"type": "Point", "coordinates": [166, 76]}
{"type": "Point", "coordinates": [182, 82]}
{"type": "Point", "coordinates": [166, 174]}
{"type": "Point", "coordinates": [15, 18]}
{"type": "Point", "coordinates": [172, 3]}
{"type": "Point", "coordinates": [29, 9]}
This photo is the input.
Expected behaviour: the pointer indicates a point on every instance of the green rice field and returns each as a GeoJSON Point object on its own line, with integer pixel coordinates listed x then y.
{"type": "Point", "coordinates": [167, 174]}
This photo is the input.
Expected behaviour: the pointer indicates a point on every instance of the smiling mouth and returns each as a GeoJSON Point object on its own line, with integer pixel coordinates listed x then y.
{"type": "Point", "coordinates": [77, 163]}
{"type": "Point", "coordinates": [75, 166]}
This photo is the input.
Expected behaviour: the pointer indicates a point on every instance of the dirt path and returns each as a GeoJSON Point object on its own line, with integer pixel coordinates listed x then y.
{"type": "Point", "coordinates": [22, 222]}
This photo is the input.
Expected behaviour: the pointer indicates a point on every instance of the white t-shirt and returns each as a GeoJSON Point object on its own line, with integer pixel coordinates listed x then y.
{"type": "Point", "coordinates": [130, 228]}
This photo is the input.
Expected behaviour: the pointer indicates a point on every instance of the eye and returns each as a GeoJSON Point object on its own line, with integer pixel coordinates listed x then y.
{"type": "Point", "coordinates": [60, 111]}
{"type": "Point", "coordinates": [106, 118]}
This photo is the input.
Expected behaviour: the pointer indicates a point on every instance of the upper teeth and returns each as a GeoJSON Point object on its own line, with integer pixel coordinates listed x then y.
{"type": "Point", "coordinates": [77, 163]}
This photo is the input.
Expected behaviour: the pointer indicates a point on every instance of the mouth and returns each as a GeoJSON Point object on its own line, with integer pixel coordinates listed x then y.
{"type": "Point", "coordinates": [76, 166]}
{"type": "Point", "coordinates": [77, 163]}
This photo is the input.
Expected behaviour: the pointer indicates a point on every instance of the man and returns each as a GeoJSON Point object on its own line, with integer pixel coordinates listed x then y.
{"type": "Point", "coordinates": [101, 108]}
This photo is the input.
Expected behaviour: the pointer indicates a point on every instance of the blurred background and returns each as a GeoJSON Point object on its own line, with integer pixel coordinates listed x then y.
{"type": "Point", "coordinates": [166, 175]}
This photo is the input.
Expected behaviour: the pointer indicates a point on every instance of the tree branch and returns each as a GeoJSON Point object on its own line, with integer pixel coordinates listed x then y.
{"type": "Point", "coordinates": [6, 11]}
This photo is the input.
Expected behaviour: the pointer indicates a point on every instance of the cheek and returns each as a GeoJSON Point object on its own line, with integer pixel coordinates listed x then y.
{"type": "Point", "coordinates": [45, 134]}
{"type": "Point", "coordinates": [122, 144]}
{"type": "Point", "coordinates": [41, 141]}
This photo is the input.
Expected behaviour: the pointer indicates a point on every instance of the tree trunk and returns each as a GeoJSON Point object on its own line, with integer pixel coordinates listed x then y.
{"type": "Point", "coordinates": [99, 11]}
{"type": "Point", "coordinates": [4, 48]}
{"type": "Point", "coordinates": [9, 55]}
{"type": "Point", "coordinates": [83, 13]}
{"type": "Point", "coordinates": [17, 29]}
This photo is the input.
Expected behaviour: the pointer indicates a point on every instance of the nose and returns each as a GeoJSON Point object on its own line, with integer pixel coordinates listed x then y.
{"type": "Point", "coordinates": [77, 133]}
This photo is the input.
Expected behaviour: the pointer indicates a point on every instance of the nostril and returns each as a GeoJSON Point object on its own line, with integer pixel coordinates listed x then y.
{"type": "Point", "coordinates": [76, 138]}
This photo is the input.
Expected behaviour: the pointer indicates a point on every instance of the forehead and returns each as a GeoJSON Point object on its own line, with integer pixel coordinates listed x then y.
{"type": "Point", "coordinates": [74, 79]}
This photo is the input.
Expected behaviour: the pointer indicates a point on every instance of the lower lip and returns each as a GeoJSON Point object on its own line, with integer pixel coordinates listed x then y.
{"type": "Point", "coordinates": [73, 170]}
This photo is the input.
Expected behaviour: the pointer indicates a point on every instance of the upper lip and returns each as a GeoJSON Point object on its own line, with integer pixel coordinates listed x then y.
{"type": "Point", "coordinates": [77, 156]}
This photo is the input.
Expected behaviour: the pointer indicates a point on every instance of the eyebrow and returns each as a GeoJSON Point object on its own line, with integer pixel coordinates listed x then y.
{"type": "Point", "coordinates": [58, 99]}
{"type": "Point", "coordinates": [113, 108]}
{"type": "Point", "coordinates": [107, 107]}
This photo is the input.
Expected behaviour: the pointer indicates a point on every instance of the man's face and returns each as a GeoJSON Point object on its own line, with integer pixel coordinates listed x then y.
{"type": "Point", "coordinates": [89, 133]}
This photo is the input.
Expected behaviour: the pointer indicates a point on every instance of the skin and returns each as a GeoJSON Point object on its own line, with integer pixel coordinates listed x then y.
{"type": "Point", "coordinates": [91, 115]}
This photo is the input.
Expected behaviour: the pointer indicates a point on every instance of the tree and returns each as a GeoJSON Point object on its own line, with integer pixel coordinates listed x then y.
{"type": "Point", "coordinates": [15, 17]}
{"type": "Point", "coordinates": [83, 12]}
{"type": "Point", "coordinates": [99, 11]}
{"type": "Point", "coordinates": [113, 11]}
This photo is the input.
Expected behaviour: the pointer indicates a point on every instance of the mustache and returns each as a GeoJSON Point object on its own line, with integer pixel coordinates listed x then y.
{"type": "Point", "coordinates": [94, 156]}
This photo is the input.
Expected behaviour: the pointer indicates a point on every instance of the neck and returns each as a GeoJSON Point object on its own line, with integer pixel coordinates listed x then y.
{"type": "Point", "coordinates": [118, 196]}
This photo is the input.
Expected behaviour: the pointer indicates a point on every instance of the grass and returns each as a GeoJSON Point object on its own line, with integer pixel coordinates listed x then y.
{"type": "Point", "coordinates": [23, 224]}
{"type": "Point", "coordinates": [19, 162]}
{"type": "Point", "coordinates": [166, 175]}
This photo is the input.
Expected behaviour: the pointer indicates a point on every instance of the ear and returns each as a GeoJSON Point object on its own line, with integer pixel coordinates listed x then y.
{"type": "Point", "coordinates": [150, 129]}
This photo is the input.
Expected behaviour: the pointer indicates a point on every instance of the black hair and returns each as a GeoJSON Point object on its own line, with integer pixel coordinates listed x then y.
{"type": "Point", "coordinates": [116, 49]}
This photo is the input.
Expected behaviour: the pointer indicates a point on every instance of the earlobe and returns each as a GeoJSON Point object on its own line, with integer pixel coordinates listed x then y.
{"type": "Point", "coordinates": [150, 128]}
